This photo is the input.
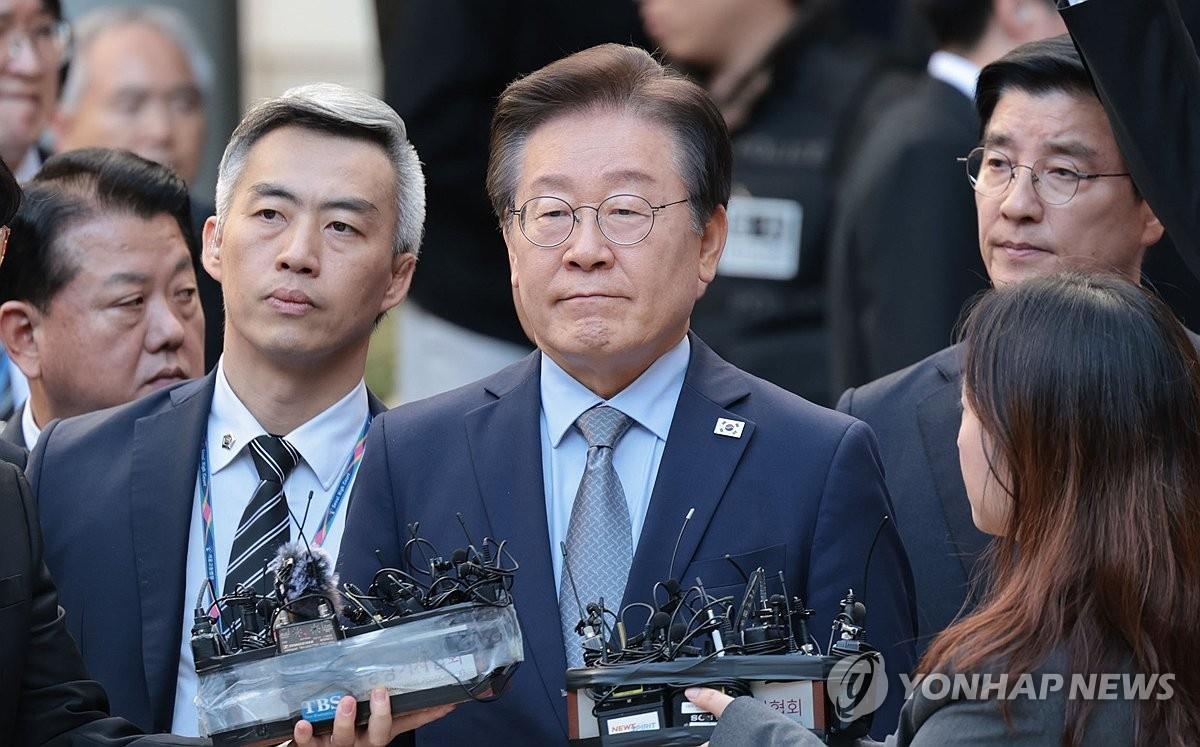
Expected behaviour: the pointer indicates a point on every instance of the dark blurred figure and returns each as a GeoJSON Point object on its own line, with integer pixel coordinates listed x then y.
{"type": "Point", "coordinates": [460, 324]}
{"type": "Point", "coordinates": [903, 256]}
{"type": "Point", "coordinates": [791, 90]}
{"type": "Point", "coordinates": [1132, 47]}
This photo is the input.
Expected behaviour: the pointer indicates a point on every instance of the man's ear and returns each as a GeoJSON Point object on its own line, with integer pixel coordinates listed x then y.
{"type": "Point", "coordinates": [210, 256]}
{"type": "Point", "coordinates": [712, 245]}
{"type": "Point", "coordinates": [403, 266]}
{"type": "Point", "coordinates": [1152, 227]}
{"type": "Point", "coordinates": [19, 322]}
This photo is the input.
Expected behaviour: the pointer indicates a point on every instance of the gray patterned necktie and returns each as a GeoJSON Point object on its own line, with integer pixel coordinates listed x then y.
{"type": "Point", "coordinates": [599, 537]}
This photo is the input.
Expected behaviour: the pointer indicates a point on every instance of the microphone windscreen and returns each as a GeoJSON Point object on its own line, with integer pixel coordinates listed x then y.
{"type": "Point", "coordinates": [309, 572]}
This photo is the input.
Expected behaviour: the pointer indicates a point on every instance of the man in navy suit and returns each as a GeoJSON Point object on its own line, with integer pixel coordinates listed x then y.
{"type": "Point", "coordinates": [610, 176]}
{"type": "Point", "coordinates": [320, 204]}
{"type": "Point", "coordinates": [1041, 119]}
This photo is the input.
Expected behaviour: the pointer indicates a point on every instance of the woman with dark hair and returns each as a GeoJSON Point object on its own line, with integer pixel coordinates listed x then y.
{"type": "Point", "coordinates": [1080, 449]}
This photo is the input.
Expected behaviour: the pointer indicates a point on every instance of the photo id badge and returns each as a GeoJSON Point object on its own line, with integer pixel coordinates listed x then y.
{"type": "Point", "coordinates": [764, 238]}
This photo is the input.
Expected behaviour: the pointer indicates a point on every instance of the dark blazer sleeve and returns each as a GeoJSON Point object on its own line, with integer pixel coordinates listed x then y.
{"type": "Point", "coordinates": [56, 703]}
{"type": "Point", "coordinates": [1146, 71]}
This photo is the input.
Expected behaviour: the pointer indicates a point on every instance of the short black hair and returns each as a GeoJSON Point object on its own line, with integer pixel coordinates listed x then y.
{"type": "Point", "coordinates": [955, 22]}
{"type": "Point", "coordinates": [76, 186]}
{"type": "Point", "coordinates": [1039, 67]}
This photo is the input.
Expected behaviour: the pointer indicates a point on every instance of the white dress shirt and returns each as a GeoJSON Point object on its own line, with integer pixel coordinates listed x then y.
{"type": "Point", "coordinates": [326, 444]}
{"type": "Point", "coordinates": [955, 71]}
{"type": "Point", "coordinates": [30, 164]}
{"type": "Point", "coordinates": [649, 401]}
{"type": "Point", "coordinates": [29, 428]}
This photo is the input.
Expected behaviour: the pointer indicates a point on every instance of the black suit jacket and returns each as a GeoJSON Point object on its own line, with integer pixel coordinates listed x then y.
{"type": "Point", "coordinates": [798, 492]}
{"type": "Point", "coordinates": [46, 696]}
{"type": "Point", "coordinates": [116, 489]}
{"type": "Point", "coordinates": [904, 256]}
{"type": "Point", "coordinates": [915, 413]}
{"type": "Point", "coordinates": [13, 433]}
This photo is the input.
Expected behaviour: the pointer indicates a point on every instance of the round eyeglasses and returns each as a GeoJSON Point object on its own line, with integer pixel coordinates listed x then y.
{"type": "Point", "coordinates": [623, 219]}
{"type": "Point", "coordinates": [1055, 179]}
{"type": "Point", "coordinates": [48, 40]}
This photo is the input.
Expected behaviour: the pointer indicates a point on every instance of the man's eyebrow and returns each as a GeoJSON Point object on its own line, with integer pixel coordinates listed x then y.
{"type": "Point", "coordinates": [266, 189]}
{"type": "Point", "coordinates": [561, 182]}
{"type": "Point", "coordinates": [128, 278]}
{"type": "Point", "coordinates": [1076, 148]}
{"type": "Point", "coordinates": [352, 204]}
{"type": "Point", "coordinates": [996, 140]}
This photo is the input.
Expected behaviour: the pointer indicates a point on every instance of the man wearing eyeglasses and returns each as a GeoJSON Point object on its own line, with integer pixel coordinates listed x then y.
{"type": "Point", "coordinates": [610, 175]}
{"type": "Point", "coordinates": [34, 41]}
{"type": "Point", "coordinates": [1051, 192]}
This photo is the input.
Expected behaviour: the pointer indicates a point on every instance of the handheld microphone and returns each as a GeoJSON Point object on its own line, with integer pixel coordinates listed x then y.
{"type": "Point", "coordinates": [305, 581]}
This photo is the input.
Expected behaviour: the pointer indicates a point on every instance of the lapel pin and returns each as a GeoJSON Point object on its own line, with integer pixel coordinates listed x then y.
{"type": "Point", "coordinates": [227, 441]}
{"type": "Point", "coordinates": [730, 428]}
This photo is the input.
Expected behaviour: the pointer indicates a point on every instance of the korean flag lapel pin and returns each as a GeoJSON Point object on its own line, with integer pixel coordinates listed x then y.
{"type": "Point", "coordinates": [729, 428]}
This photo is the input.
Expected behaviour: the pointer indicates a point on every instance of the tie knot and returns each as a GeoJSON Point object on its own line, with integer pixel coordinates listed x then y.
{"type": "Point", "coordinates": [603, 425]}
{"type": "Point", "coordinates": [274, 458]}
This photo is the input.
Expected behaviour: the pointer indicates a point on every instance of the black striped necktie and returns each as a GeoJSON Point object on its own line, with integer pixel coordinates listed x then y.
{"type": "Point", "coordinates": [264, 525]}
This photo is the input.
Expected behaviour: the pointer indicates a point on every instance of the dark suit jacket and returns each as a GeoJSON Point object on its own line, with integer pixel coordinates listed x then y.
{"type": "Point", "coordinates": [13, 433]}
{"type": "Point", "coordinates": [116, 489]}
{"type": "Point", "coordinates": [904, 259]}
{"type": "Point", "coordinates": [916, 412]}
{"type": "Point", "coordinates": [46, 696]}
{"type": "Point", "coordinates": [800, 492]}
{"type": "Point", "coordinates": [10, 450]}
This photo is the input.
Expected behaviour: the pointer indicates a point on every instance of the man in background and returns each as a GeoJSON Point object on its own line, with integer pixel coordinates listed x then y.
{"type": "Point", "coordinates": [1052, 191]}
{"type": "Point", "coordinates": [139, 79]}
{"type": "Point", "coordinates": [902, 260]}
{"type": "Point", "coordinates": [98, 298]}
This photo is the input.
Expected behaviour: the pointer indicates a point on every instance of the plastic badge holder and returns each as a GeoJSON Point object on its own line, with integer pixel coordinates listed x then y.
{"type": "Point", "coordinates": [428, 659]}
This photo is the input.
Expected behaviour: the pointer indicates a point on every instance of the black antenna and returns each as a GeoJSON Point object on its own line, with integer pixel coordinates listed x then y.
{"type": "Point", "coordinates": [379, 557]}
{"type": "Point", "coordinates": [299, 525]}
{"type": "Point", "coordinates": [686, 519]}
{"type": "Point", "coordinates": [413, 528]}
{"type": "Point", "coordinates": [463, 524]}
{"type": "Point", "coordinates": [571, 580]}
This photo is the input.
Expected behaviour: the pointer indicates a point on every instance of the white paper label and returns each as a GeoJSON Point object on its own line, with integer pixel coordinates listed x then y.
{"type": "Point", "coordinates": [764, 238]}
{"type": "Point", "coordinates": [637, 722]}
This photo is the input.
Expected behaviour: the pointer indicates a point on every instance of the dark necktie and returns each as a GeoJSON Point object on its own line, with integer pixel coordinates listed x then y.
{"type": "Point", "coordinates": [599, 537]}
{"type": "Point", "coordinates": [264, 525]}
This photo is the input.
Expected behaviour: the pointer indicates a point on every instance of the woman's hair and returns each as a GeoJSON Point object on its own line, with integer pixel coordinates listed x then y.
{"type": "Point", "coordinates": [1088, 390]}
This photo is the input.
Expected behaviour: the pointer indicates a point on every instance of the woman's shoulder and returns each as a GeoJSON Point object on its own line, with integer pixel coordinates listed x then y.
{"type": "Point", "coordinates": [965, 708]}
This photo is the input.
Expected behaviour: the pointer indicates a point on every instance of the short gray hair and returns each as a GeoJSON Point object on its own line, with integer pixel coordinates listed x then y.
{"type": "Point", "coordinates": [168, 21]}
{"type": "Point", "coordinates": [341, 111]}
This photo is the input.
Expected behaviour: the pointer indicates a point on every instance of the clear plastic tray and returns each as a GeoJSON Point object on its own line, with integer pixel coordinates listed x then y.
{"type": "Point", "coordinates": [448, 653]}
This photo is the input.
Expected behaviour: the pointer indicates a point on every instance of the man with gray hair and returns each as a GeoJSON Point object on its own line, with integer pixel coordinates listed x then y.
{"type": "Point", "coordinates": [320, 207]}
{"type": "Point", "coordinates": [139, 79]}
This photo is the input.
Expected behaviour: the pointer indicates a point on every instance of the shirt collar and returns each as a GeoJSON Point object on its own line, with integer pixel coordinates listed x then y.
{"type": "Point", "coordinates": [955, 71]}
{"type": "Point", "coordinates": [647, 400]}
{"type": "Point", "coordinates": [29, 428]}
{"type": "Point", "coordinates": [326, 441]}
{"type": "Point", "coordinates": [29, 165]}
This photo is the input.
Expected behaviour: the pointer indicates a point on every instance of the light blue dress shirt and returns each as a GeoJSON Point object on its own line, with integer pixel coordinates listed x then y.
{"type": "Point", "coordinates": [650, 401]}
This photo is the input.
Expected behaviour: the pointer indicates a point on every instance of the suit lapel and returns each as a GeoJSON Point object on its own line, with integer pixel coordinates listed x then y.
{"type": "Point", "coordinates": [939, 415]}
{"type": "Point", "coordinates": [166, 449]}
{"type": "Point", "coordinates": [13, 432]}
{"type": "Point", "coordinates": [514, 499]}
{"type": "Point", "coordinates": [696, 467]}
{"type": "Point", "coordinates": [375, 405]}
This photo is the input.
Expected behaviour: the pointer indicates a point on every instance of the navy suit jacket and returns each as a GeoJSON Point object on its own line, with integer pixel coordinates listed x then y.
{"type": "Point", "coordinates": [800, 492]}
{"type": "Point", "coordinates": [115, 490]}
{"type": "Point", "coordinates": [916, 413]}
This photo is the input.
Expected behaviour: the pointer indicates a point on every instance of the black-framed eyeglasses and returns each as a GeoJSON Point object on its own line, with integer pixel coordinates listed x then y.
{"type": "Point", "coordinates": [623, 219]}
{"type": "Point", "coordinates": [1055, 178]}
